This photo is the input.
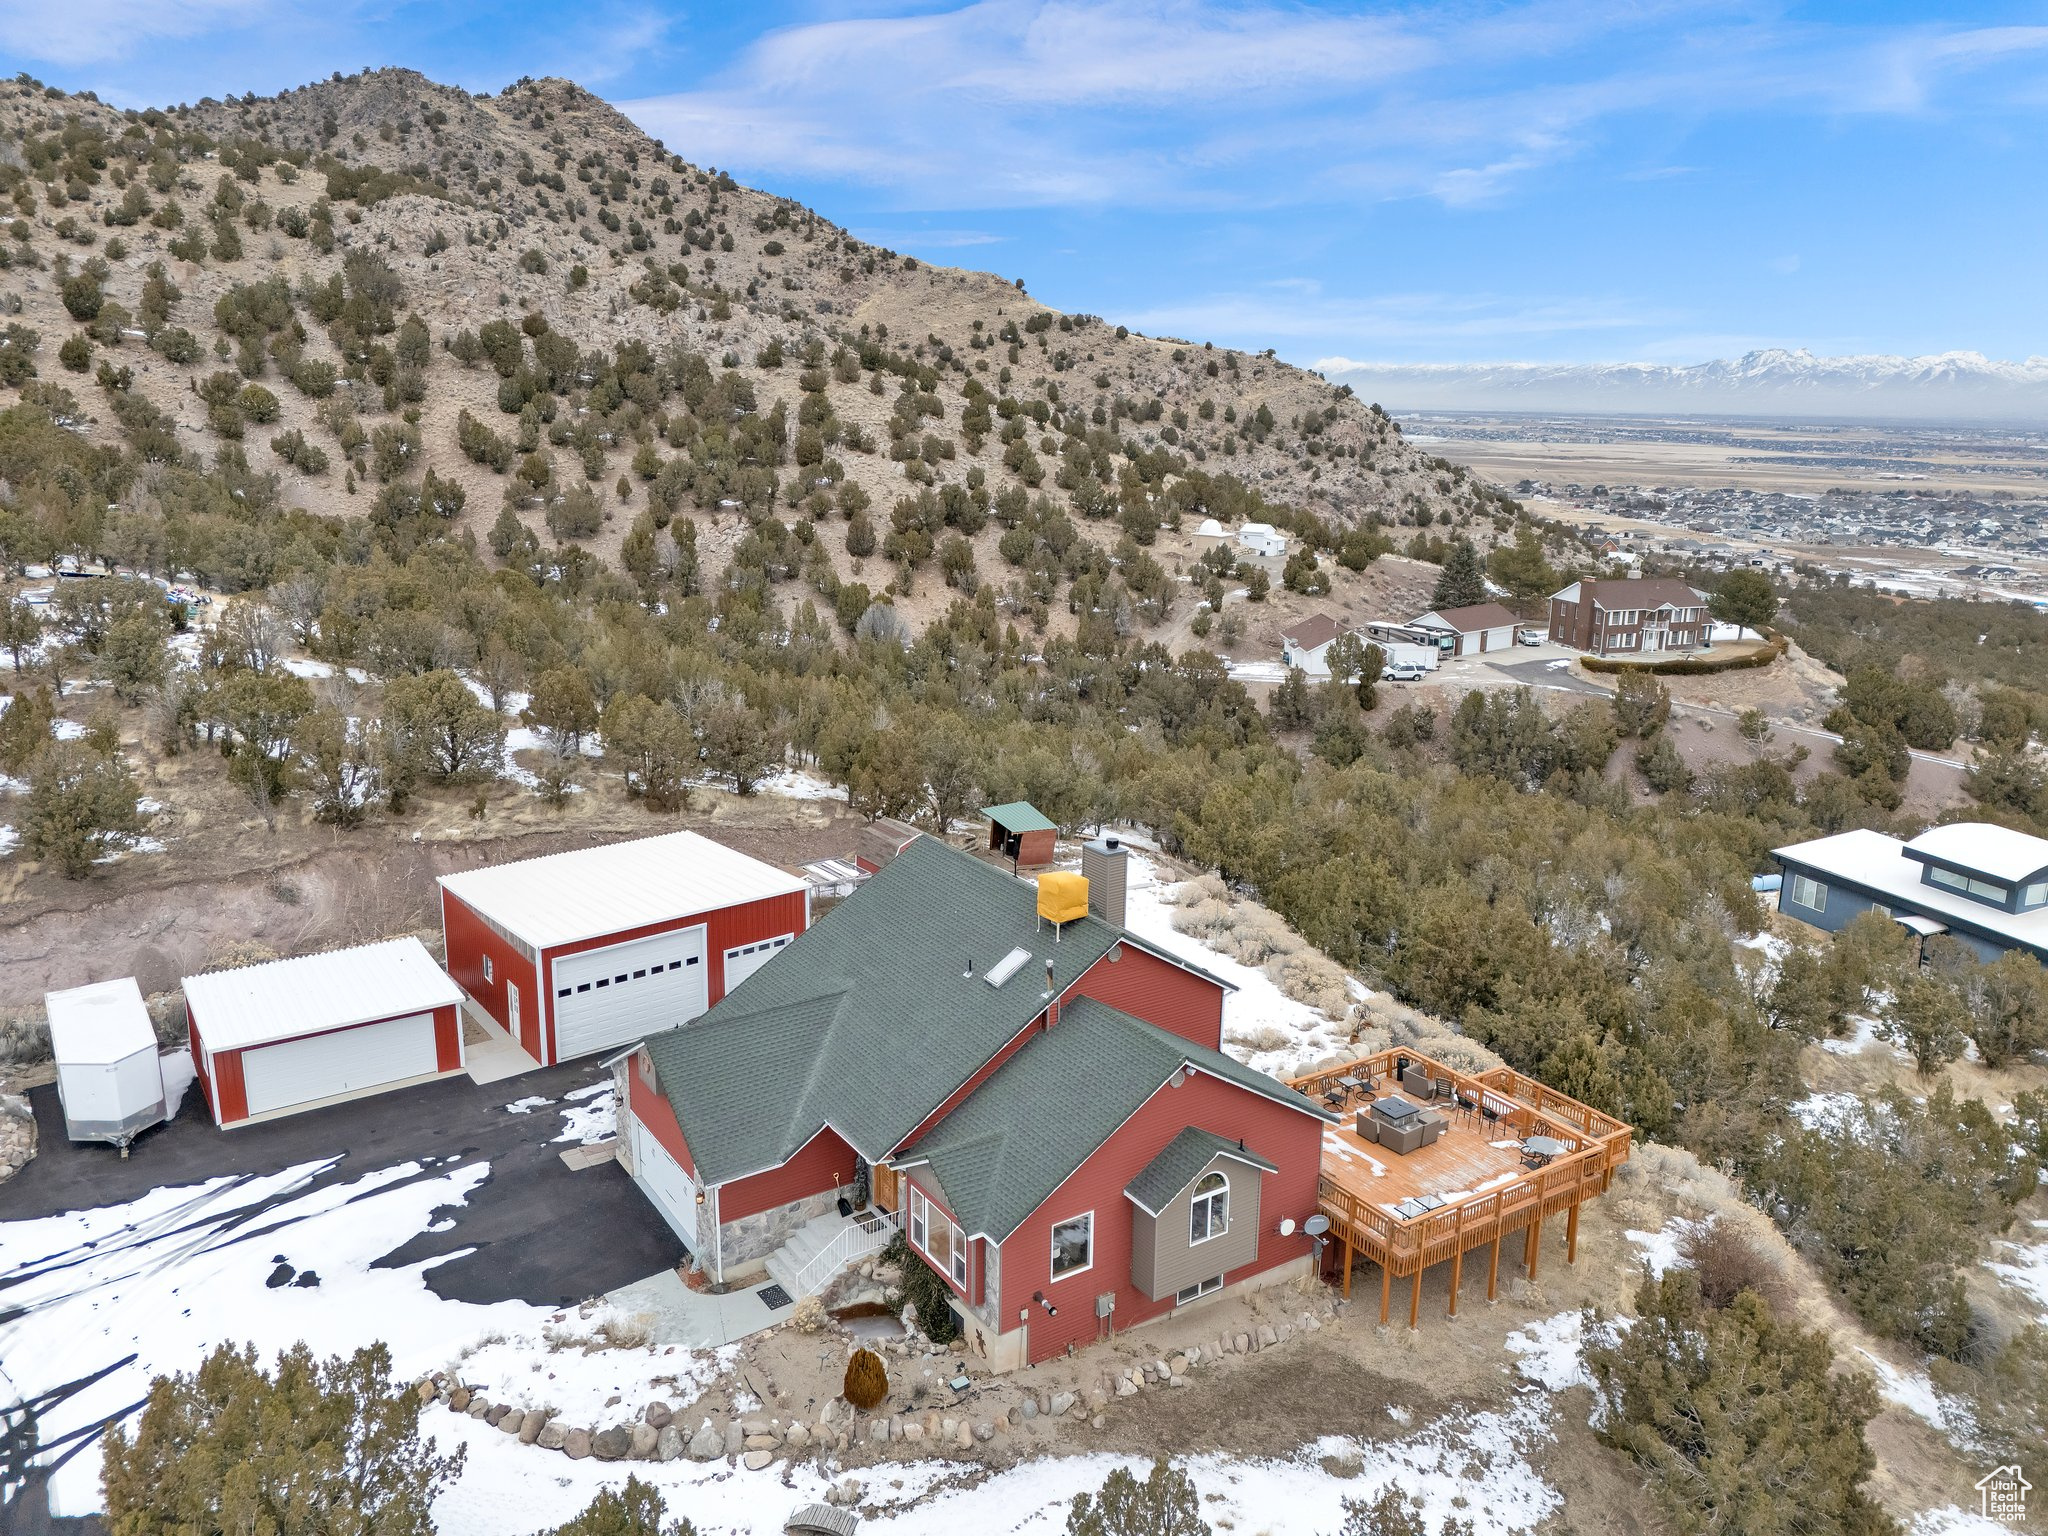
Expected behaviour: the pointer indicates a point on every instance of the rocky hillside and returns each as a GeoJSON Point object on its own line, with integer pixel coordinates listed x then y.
{"type": "Point", "coordinates": [527, 310]}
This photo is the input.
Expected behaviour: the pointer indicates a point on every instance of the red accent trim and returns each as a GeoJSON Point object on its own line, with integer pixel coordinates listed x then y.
{"type": "Point", "coordinates": [448, 1038]}
{"type": "Point", "coordinates": [198, 1049]}
{"type": "Point", "coordinates": [467, 940]}
{"type": "Point", "coordinates": [1137, 982]}
{"type": "Point", "coordinates": [233, 1102]}
{"type": "Point", "coordinates": [234, 1095]}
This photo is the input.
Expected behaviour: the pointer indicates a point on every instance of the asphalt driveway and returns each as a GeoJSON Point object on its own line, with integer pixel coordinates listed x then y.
{"type": "Point", "coordinates": [541, 1232]}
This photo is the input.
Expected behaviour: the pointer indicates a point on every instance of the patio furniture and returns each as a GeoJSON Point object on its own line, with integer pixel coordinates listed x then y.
{"type": "Point", "coordinates": [1432, 1127]}
{"type": "Point", "coordinates": [1403, 1138]}
{"type": "Point", "coordinates": [1395, 1109]}
{"type": "Point", "coordinates": [1333, 1096]}
{"type": "Point", "coordinates": [1368, 1128]}
{"type": "Point", "coordinates": [1416, 1081]}
{"type": "Point", "coordinates": [1410, 1208]}
{"type": "Point", "coordinates": [1446, 1089]}
{"type": "Point", "coordinates": [1534, 1160]}
{"type": "Point", "coordinates": [1546, 1146]}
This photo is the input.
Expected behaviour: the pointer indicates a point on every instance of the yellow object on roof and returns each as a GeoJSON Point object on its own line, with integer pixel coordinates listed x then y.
{"type": "Point", "coordinates": [1062, 896]}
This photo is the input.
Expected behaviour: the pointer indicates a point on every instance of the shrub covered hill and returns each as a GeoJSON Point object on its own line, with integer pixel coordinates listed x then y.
{"type": "Point", "coordinates": [517, 317]}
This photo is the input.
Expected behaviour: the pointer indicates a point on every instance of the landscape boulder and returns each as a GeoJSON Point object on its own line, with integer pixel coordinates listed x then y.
{"type": "Point", "coordinates": [552, 1436]}
{"type": "Point", "coordinates": [611, 1443]}
{"type": "Point", "coordinates": [576, 1444]}
{"type": "Point", "coordinates": [708, 1444]}
{"type": "Point", "coordinates": [657, 1413]}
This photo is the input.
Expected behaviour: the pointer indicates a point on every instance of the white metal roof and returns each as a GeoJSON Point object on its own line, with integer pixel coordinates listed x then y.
{"type": "Point", "coordinates": [281, 999]}
{"type": "Point", "coordinates": [563, 898]}
{"type": "Point", "coordinates": [1879, 863]}
{"type": "Point", "coordinates": [105, 1022]}
{"type": "Point", "coordinates": [1987, 849]}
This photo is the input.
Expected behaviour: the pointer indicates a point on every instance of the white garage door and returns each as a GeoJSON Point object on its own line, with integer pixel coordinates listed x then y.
{"type": "Point", "coordinates": [277, 1076]}
{"type": "Point", "coordinates": [614, 996]}
{"type": "Point", "coordinates": [748, 958]}
{"type": "Point", "coordinates": [667, 1183]}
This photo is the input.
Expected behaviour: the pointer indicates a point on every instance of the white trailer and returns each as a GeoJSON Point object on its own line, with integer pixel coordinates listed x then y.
{"type": "Point", "coordinates": [1405, 656]}
{"type": "Point", "coordinates": [1405, 645]}
{"type": "Point", "coordinates": [110, 1078]}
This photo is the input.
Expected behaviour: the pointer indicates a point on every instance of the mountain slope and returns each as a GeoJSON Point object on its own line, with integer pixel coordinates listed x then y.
{"type": "Point", "coordinates": [363, 202]}
{"type": "Point", "coordinates": [1948, 385]}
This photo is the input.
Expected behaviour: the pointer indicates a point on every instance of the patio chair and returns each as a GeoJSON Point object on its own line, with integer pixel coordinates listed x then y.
{"type": "Point", "coordinates": [1333, 1096]}
{"type": "Point", "coordinates": [1401, 1138]}
{"type": "Point", "coordinates": [1368, 1126]}
{"type": "Point", "coordinates": [1432, 1127]}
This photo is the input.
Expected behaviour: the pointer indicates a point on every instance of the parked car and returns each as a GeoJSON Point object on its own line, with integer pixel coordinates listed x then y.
{"type": "Point", "coordinates": [1529, 635]}
{"type": "Point", "coordinates": [1405, 672]}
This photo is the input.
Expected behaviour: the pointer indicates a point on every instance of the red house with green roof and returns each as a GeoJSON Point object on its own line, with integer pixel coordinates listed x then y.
{"type": "Point", "coordinates": [1048, 1113]}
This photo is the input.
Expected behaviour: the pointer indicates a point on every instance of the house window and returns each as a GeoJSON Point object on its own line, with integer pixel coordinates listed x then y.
{"type": "Point", "coordinates": [1199, 1289]}
{"type": "Point", "coordinates": [1210, 1214]}
{"type": "Point", "coordinates": [1073, 1245]}
{"type": "Point", "coordinates": [487, 970]}
{"type": "Point", "coordinates": [2034, 895]}
{"type": "Point", "coordinates": [1809, 893]}
{"type": "Point", "coordinates": [1983, 890]}
{"type": "Point", "coordinates": [939, 1237]}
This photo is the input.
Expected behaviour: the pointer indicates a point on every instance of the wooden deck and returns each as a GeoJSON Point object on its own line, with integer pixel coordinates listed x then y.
{"type": "Point", "coordinates": [1488, 1193]}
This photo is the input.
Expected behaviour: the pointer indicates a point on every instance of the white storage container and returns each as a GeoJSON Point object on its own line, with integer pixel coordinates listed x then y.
{"type": "Point", "coordinates": [109, 1076]}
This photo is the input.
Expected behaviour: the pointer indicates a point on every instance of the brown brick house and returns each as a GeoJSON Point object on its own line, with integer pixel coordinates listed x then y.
{"type": "Point", "coordinates": [1631, 616]}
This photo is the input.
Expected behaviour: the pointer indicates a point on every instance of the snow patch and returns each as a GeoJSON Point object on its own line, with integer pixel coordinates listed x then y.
{"type": "Point", "coordinates": [1829, 1111]}
{"type": "Point", "coordinates": [596, 1120]}
{"type": "Point", "coordinates": [1660, 1248]}
{"type": "Point", "coordinates": [178, 1074]}
{"type": "Point", "coordinates": [1912, 1390]}
{"type": "Point", "coordinates": [2025, 1269]}
{"type": "Point", "coordinates": [1551, 1352]}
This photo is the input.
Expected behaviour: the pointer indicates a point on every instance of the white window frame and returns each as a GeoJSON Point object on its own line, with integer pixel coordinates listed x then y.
{"type": "Point", "coordinates": [488, 977]}
{"type": "Point", "coordinates": [1208, 1201]}
{"type": "Point", "coordinates": [1198, 1290]}
{"type": "Point", "coordinates": [1054, 1239]}
{"type": "Point", "coordinates": [1813, 896]}
{"type": "Point", "coordinates": [923, 1211]}
{"type": "Point", "coordinates": [2033, 895]}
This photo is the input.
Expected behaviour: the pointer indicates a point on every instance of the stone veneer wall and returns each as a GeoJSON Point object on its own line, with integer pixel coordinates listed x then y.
{"type": "Point", "coordinates": [747, 1242]}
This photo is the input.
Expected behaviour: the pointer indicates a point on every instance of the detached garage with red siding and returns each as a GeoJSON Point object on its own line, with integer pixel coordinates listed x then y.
{"type": "Point", "coordinates": [581, 952]}
{"type": "Point", "coordinates": [294, 1034]}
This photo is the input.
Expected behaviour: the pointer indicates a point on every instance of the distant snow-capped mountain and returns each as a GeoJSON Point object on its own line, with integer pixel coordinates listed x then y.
{"type": "Point", "coordinates": [1947, 386]}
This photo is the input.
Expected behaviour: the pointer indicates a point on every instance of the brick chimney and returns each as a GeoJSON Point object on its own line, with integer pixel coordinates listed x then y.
{"type": "Point", "coordinates": [1105, 865]}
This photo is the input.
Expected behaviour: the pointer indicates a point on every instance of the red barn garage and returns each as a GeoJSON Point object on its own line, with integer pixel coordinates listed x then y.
{"type": "Point", "coordinates": [582, 952]}
{"type": "Point", "coordinates": [295, 1034]}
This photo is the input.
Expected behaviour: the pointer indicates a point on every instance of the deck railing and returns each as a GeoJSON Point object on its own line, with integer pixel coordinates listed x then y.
{"type": "Point", "coordinates": [867, 1232]}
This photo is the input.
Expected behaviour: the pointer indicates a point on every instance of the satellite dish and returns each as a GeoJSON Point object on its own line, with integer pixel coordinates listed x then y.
{"type": "Point", "coordinates": [1287, 1226]}
{"type": "Point", "coordinates": [1316, 1225]}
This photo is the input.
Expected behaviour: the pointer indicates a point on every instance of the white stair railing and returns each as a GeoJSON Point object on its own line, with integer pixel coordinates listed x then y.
{"type": "Point", "coordinates": [869, 1232]}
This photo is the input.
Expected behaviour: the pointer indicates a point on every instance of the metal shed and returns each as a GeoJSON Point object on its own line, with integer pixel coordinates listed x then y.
{"type": "Point", "coordinates": [110, 1078]}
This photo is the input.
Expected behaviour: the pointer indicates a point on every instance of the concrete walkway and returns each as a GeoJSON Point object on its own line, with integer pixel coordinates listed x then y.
{"type": "Point", "coordinates": [696, 1319]}
{"type": "Point", "coordinates": [488, 1053]}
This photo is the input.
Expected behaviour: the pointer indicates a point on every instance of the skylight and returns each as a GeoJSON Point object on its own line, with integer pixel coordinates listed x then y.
{"type": "Point", "coordinates": [1007, 967]}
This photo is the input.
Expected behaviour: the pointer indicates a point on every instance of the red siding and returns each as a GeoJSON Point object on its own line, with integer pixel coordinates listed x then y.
{"type": "Point", "coordinates": [825, 1162]}
{"type": "Point", "coordinates": [1155, 990]}
{"type": "Point", "coordinates": [198, 1049]}
{"type": "Point", "coordinates": [467, 940]}
{"type": "Point", "coordinates": [448, 1038]}
{"type": "Point", "coordinates": [650, 1106]}
{"type": "Point", "coordinates": [1283, 1136]}
{"type": "Point", "coordinates": [233, 1103]}
{"type": "Point", "coordinates": [725, 928]}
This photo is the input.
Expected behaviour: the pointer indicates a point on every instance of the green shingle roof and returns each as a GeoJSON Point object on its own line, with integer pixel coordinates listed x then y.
{"type": "Point", "coordinates": [866, 1021]}
{"type": "Point", "coordinates": [1024, 1132]}
{"type": "Point", "coordinates": [1174, 1169]}
{"type": "Point", "coordinates": [1019, 816]}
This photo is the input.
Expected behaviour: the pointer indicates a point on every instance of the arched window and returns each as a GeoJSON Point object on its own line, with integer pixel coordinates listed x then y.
{"type": "Point", "coordinates": [1210, 1216]}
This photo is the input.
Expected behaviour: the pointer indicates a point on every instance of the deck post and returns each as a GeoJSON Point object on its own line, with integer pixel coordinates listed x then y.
{"type": "Point", "coordinates": [1386, 1291]}
{"type": "Point", "coordinates": [1457, 1261]}
{"type": "Point", "coordinates": [1571, 1235]}
{"type": "Point", "coordinates": [1493, 1260]}
{"type": "Point", "coordinates": [1533, 1249]}
{"type": "Point", "coordinates": [1347, 1261]}
{"type": "Point", "coordinates": [1415, 1297]}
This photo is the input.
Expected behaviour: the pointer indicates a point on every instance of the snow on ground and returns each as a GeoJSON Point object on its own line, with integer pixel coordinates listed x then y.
{"type": "Point", "coordinates": [9, 840]}
{"type": "Point", "coordinates": [521, 738]}
{"type": "Point", "coordinates": [1660, 1248]}
{"type": "Point", "coordinates": [306, 666]}
{"type": "Point", "coordinates": [528, 1105]}
{"type": "Point", "coordinates": [1257, 671]}
{"type": "Point", "coordinates": [594, 1120]}
{"type": "Point", "coordinates": [1258, 1005]}
{"type": "Point", "coordinates": [1953, 1520]}
{"type": "Point", "coordinates": [1912, 1390]}
{"type": "Point", "coordinates": [1550, 1352]}
{"type": "Point", "coordinates": [555, 1373]}
{"type": "Point", "coordinates": [1471, 1466]}
{"type": "Point", "coordinates": [67, 730]}
{"type": "Point", "coordinates": [1771, 947]}
{"type": "Point", "coordinates": [167, 1277]}
{"type": "Point", "coordinates": [176, 1068]}
{"type": "Point", "coordinates": [1822, 1111]}
{"type": "Point", "coordinates": [2025, 1268]}
{"type": "Point", "coordinates": [795, 784]}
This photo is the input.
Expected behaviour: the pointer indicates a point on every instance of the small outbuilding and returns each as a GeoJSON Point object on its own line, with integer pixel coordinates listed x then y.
{"type": "Point", "coordinates": [292, 1035]}
{"type": "Point", "coordinates": [1021, 833]}
{"type": "Point", "coordinates": [110, 1078]}
{"type": "Point", "coordinates": [575, 953]}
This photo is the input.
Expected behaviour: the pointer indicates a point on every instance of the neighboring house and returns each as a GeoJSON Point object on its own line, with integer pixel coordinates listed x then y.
{"type": "Point", "coordinates": [1262, 542]}
{"type": "Point", "coordinates": [1307, 644]}
{"type": "Point", "coordinates": [1630, 616]}
{"type": "Point", "coordinates": [1208, 534]}
{"type": "Point", "coordinates": [1048, 1112]}
{"type": "Point", "coordinates": [1473, 631]}
{"type": "Point", "coordinates": [1983, 885]}
{"type": "Point", "coordinates": [290, 1035]}
{"type": "Point", "coordinates": [586, 951]}
{"type": "Point", "coordinates": [875, 844]}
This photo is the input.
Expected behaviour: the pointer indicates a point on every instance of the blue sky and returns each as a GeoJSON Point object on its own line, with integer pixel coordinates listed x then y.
{"type": "Point", "coordinates": [1557, 180]}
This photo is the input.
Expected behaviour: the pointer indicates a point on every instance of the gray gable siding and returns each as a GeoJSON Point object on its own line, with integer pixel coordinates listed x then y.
{"type": "Point", "coordinates": [1164, 1261]}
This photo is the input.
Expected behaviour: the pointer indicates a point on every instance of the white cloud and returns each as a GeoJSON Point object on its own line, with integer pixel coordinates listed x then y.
{"type": "Point", "coordinates": [98, 31]}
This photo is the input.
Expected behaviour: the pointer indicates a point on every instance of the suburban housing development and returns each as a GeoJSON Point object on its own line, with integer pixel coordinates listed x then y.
{"type": "Point", "coordinates": [1985, 886]}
